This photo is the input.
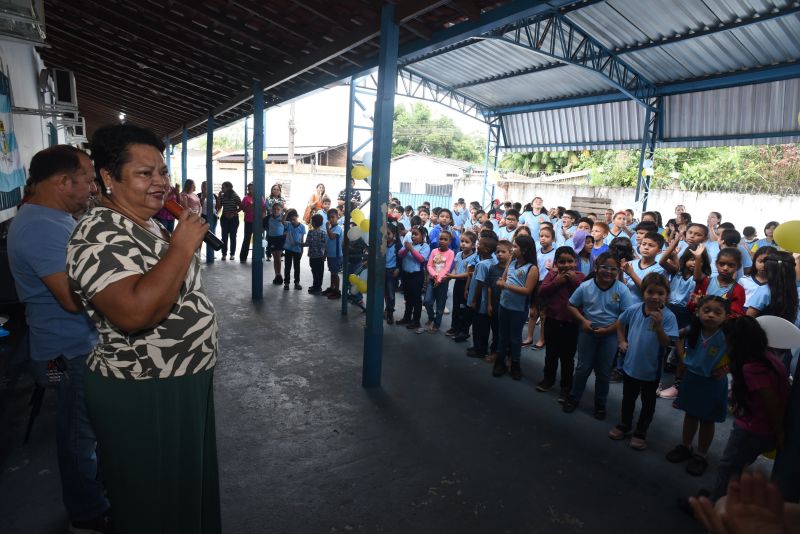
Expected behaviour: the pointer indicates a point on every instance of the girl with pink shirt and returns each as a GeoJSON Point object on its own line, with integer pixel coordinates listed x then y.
{"type": "Point", "coordinates": [439, 264]}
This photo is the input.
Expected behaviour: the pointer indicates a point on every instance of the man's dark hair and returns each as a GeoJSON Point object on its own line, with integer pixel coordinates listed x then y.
{"type": "Point", "coordinates": [110, 146]}
{"type": "Point", "coordinates": [54, 160]}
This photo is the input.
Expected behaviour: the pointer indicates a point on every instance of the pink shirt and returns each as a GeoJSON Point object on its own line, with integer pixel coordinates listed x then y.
{"type": "Point", "coordinates": [439, 263]}
{"type": "Point", "coordinates": [191, 202]}
{"type": "Point", "coordinates": [758, 376]}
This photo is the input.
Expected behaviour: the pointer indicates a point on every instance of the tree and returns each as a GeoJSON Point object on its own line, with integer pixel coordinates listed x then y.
{"type": "Point", "coordinates": [416, 130]}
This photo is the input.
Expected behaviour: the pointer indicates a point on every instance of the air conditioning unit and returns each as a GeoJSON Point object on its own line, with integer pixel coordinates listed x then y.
{"type": "Point", "coordinates": [64, 88]}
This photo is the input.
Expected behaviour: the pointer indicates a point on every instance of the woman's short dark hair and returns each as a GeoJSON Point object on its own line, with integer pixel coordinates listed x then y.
{"type": "Point", "coordinates": [110, 148]}
{"type": "Point", "coordinates": [54, 160]}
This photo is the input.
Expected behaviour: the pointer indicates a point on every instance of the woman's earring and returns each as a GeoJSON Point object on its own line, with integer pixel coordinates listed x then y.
{"type": "Point", "coordinates": [108, 188]}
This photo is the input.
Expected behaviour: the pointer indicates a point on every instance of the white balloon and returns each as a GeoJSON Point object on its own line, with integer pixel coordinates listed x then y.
{"type": "Point", "coordinates": [781, 334]}
{"type": "Point", "coordinates": [367, 159]}
{"type": "Point", "coordinates": [354, 233]}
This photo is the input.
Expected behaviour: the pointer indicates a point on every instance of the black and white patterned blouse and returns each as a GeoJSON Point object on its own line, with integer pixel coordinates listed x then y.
{"type": "Point", "coordinates": [107, 247]}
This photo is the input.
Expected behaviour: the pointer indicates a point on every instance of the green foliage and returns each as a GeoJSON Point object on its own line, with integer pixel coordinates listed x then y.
{"type": "Point", "coordinates": [773, 168]}
{"type": "Point", "coordinates": [416, 130]}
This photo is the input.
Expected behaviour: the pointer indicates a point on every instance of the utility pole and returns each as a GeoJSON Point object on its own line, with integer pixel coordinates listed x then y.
{"type": "Point", "coordinates": [292, 131]}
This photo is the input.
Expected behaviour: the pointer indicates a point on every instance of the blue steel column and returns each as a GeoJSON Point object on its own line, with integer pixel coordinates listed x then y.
{"type": "Point", "coordinates": [258, 190]}
{"type": "Point", "coordinates": [652, 117]}
{"type": "Point", "coordinates": [492, 145]}
{"type": "Point", "coordinates": [167, 150]}
{"type": "Point", "coordinates": [245, 156]}
{"type": "Point", "coordinates": [184, 158]}
{"type": "Point", "coordinates": [381, 159]}
{"type": "Point", "coordinates": [209, 179]}
{"type": "Point", "coordinates": [347, 191]}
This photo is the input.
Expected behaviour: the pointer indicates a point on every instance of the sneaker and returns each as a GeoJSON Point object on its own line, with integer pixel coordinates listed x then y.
{"type": "Point", "coordinates": [450, 332]}
{"type": "Point", "coordinates": [638, 444]}
{"type": "Point", "coordinates": [599, 412]}
{"type": "Point", "coordinates": [278, 280]}
{"type": "Point", "coordinates": [569, 405]}
{"type": "Point", "coordinates": [314, 291]}
{"type": "Point", "coordinates": [543, 386]}
{"type": "Point", "coordinates": [224, 258]}
{"type": "Point", "coordinates": [697, 465]}
{"type": "Point", "coordinates": [402, 322]}
{"type": "Point", "coordinates": [460, 337]}
{"type": "Point", "coordinates": [516, 371]}
{"type": "Point", "coordinates": [99, 525]}
{"type": "Point", "coordinates": [298, 287]}
{"type": "Point", "coordinates": [499, 368]}
{"type": "Point", "coordinates": [421, 330]}
{"type": "Point", "coordinates": [616, 376]}
{"type": "Point", "coordinates": [446, 310]}
{"type": "Point", "coordinates": [286, 287]}
{"type": "Point", "coordinates": [327, 291]}
{"type": "Point", "coordinates": [563, 396]}
{"type": "Point", "coordinates": [617, 433]}
{"type": "Point", "coordinates": [669, 393]}
{"type": "Point", "coordinates": [231, 257]}
{"type": "Point", "coordinates": [413, 325]}
{"type": "Point", "coordinates": [433, 329]}
{"type": "Point", "coordinates": [680, 453]}
{"type": "Point", "coordinates": [335, 295]}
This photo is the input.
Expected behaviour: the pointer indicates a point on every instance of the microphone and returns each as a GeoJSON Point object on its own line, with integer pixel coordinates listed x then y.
{"type": "Point", "coordinates": [176, 209]}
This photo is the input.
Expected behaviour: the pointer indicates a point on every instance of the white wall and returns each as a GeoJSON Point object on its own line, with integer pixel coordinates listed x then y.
{"type": "Point", "coordinates": [420, 170]}
{"type": "Point", "coordinates": [740, 209]}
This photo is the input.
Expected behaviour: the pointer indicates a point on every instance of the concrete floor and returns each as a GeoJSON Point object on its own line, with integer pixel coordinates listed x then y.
{"type": "Point", "coordinates": [442, 447]}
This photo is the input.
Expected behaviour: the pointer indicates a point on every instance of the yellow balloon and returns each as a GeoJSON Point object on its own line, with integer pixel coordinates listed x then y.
{"type": "Point", "coordinates": [264, 155]}
{"type": "Point", "coordinates": [787, 236]}
{"type": "Point", "coordinates": [364, 225]}
{"type": "Point", "coordinates": [357, 216]}
{"type": "Point", "coordinates": [353, 279]}
{"type": "Point", "coordinates": [360, 172]}
{"type": "Point", "coordinates": [361, 286]}
{"type": "Point", "coordinates": [770, 454]}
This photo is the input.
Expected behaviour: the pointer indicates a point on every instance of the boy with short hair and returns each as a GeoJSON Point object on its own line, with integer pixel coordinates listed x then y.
{"type": "Point", "coordinates": [651, 244]}
{"type": "Point", "coordinates": [476, 297]}
{"type": "Point", "coordinates": [316, 241]}
{"type": "Point", "coordinates": [599, 233]}
{"type": "Point", "coordinates": [750, 238]}
{"type": "Point", "coordinates": [333, 251]}
{"type": "Point", "coordinates": [512, 220]}
{"type": "Point", "coordinates": [567, 229]}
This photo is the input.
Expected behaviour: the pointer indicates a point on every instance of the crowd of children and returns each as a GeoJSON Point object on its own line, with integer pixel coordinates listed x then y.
{"type": "Point", "coordinates": [622, 299]}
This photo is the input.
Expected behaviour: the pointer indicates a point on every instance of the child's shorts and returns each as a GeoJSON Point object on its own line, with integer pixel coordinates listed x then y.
{"type": "Point", "coordinates": [276, 242]}
{"type": "Point", "coordinates": [334, 265]}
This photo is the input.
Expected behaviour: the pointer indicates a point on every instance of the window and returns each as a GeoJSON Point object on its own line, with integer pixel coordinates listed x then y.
{"type": "Point", "coordinates": [452, 175]}
{"type": "Point", "coordinates": [439, 189]}
{"type": "Point", "coordinates": [405, 187]}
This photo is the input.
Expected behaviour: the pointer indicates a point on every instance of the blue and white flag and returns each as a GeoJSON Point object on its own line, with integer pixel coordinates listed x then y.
{"type": "Point", "coordinates": [12, 175]}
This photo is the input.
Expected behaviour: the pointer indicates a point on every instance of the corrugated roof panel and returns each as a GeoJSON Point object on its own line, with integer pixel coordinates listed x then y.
{"type": "Point", "coordinates": [477, 61]}
{"type": "Point", "coordinates": [561, 81]}
{"type": "Point", "coordinates": [601, 127]}
{"type": "Point", "coordinates": [738, 111]}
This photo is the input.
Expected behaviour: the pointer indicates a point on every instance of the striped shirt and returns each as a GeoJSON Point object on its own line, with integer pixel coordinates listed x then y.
{"type": "Point", "coordinates": [230, 205]}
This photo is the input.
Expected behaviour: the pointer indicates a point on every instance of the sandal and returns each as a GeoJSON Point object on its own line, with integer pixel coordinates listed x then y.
{"type": "Point", "coordinates": [538, 347]}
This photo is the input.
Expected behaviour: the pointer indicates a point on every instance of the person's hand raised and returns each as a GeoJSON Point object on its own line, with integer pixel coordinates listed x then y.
{"type": "Point", "coordinates": [189, 232]}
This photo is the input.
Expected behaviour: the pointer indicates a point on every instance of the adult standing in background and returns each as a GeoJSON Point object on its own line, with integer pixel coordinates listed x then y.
{"type": "Point", "coordinates": [189, 199]}
{"type": "Point", "coordinates": [248, 207]}
{"type": "Point", "coordinates": [229, 207]}
{"type": "Point", "coordinates": [211, 219]}
{"type": "Point", "coordinates": [61, 334]}
{"type": "Point", "coordinates": [149, 384]}
{"type": "Point", "coordinates": [355, 196]}
{"type": "Point", "coordinates": [314, 203]}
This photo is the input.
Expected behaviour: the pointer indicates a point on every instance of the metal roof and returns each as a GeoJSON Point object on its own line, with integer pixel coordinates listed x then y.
{"type": "Point", "coordinates": [559, 72]}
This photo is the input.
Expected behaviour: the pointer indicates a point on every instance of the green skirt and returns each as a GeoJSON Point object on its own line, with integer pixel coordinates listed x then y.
{"type": "Point", "coordinates": [157, 452]}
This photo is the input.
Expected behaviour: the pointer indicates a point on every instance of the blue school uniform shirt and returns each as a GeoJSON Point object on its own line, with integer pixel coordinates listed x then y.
{"type": "Point", "coordinates": [504, 233]}
{"type": "Point", "coordinates": [460, 263]}
{"type": "Point", "coordinates": [294, 237]}
{"type": "Point", "coordinates": [585, 266]}
{"type": "Point", "coordinates": [433, 238]}
{"type": "Point", "coordinates": [406, 222]}
{"type": "Point", "coordinates": [610, 237]}
{"type": "Point", "coordinates": [410, 263]}
{"type": "Point", "coordinates": [481, 272]}
{"type": "Point", "coordinates": [643, 359]}
{"type": "Point", "coordinates": [275, 226]}
{"type": "Point", "coordinates": [566, 241]}
{"type": "Point", "coordinates": [517, 276]}
{"type": "Point", "coordinates": [333, 245]}
{"type": "Point", "coordinates": [715, 289]}
{"type": "Point", "coordinates": [707, 354]}
{"type": "Point", "coordinates": [391, 255]}
{"type": "Point", "coordinates": [680, 290]}
{"type": "Point", "coordinates": [531, 221]}
{"type": "Point", "coordinates": [601, 306]}
{"type": "Point", "coordinates": [597, 251]}
{"type": "Point", "coordinates": [636, 293]}
{"type": "Point", "coordinates": [541, 260]}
